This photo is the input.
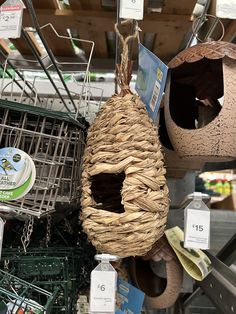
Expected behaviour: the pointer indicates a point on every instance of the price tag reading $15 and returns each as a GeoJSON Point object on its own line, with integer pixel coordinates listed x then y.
{"type": "Point", "coordinates": [197, 225]}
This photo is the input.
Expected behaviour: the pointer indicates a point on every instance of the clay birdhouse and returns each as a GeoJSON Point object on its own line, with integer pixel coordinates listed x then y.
{"type": "Point", "coordinates": [200, 102]}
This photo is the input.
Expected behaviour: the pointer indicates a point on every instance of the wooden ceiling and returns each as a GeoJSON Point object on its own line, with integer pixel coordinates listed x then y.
{"type": "Point", "coordinates": [164, 33]}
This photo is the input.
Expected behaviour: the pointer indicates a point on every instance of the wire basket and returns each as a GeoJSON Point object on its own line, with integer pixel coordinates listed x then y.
{"type": "Point", "coordinates": [54, 140]}
{"type": "Point", "coordinates": [65, 269]}
{"type": "Point", "coordinates": [20, 296]}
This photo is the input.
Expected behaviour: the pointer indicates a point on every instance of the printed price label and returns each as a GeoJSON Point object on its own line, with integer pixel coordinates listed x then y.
{"type": "Point", "coordinates": [197, 228]}
{"type": "Point", "coordinates": [103, 291]}
{"type": "Point", "coordinates": [10, 21]}
{"type": "Point", "coordinates": [131, 9]}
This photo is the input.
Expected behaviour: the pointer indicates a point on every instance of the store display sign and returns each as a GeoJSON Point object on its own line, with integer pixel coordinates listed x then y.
{"type": "Point", "coordinates": [17, 173]}
{"type": "Point", "coordinates": [151, 80]}
{"type": "Point", "coordinates": [197, 225]}
{"type": "Point", "coordinates": [11, 13]}
{"type": "Point", "coordinates": [131, 9]}
{"type": "Point", "coordinates": [130, 299]}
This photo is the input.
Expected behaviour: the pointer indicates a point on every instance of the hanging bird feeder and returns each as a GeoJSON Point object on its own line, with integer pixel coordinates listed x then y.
{"type": "Point", "coordinates": [200, 102]}
{"type": "Point", "coordinates": [124, 193]}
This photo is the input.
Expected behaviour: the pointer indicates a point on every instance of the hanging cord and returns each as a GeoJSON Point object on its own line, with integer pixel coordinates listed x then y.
{"type": "Point", "coordinates": [123, 70]}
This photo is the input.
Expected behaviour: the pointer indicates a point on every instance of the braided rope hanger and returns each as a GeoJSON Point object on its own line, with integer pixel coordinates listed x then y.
{"type": "Point", "coordinates": [123, 70]}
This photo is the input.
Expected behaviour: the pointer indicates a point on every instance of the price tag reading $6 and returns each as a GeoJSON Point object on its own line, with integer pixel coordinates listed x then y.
{"type": "Point", "coordinates": [197, 229]}
{"type": "Point", "coordinates": [103, 290]}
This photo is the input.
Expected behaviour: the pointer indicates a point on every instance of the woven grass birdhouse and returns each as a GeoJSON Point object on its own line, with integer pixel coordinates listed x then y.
{"type": "Point", "coordinates": [200, 111]}
{"type": "Point", "coordinates": [124, 193]}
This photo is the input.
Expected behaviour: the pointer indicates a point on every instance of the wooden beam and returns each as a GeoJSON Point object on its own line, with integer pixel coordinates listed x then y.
{"type": "Point", "coordinates": [100, 48]}
{"type": "Point", "coordinates": [94, 20]}
{"type": "Point", "coordinates": [59, 46]}
{"type": "Point", "coordinates": [90, 4]}
{"type": "Point", "coordinates": [100, 44]}
{"type": "Point", "coordinates": [168, 39]}
{"type": "Point", "coordinates": [4, 47]}
{"type": "Point", "coordinates": [22, 46]}
{"type": "Point", "coordinates": [75, 5]}
{"type": "Point", "coordinates": [179, 7]}
{"type": "Point", "coordinates": [230, 32]}
{"type": "Point", "coordinates": [35, 43]}
{"type": "Point", "coordinates": [145, 8]}
{"type": "Point", "coordinates": [45, 4]}
{"type": "Point", "coordinates": [159, 26]}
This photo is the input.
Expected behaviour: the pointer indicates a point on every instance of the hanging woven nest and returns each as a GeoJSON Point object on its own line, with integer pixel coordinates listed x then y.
{"type": "Point", "coordinates": [124, 193]}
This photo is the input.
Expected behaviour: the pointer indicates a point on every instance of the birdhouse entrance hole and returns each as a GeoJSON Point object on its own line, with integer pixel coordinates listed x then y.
{"type": "Point", "coordinates": [195, 91]}
{"type": "Point", "coordinates": [106, 191]}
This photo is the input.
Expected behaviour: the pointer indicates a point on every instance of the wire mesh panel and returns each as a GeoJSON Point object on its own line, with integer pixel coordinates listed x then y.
{"type": "Point", "coordinates": [20, 296]}
{"type": "Point", "coordinates": [62, 269]}
{"type": "Point", "coordinates": [54, 141]}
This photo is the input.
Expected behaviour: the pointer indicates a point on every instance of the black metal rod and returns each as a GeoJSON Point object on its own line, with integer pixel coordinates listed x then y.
{"type": "Point", "coordinates": [17, 83]}
{"type": "Point", "coordinates": [228, 253]}
{"type": "Point", "coordinates": [49, 52]}
{"type": "Point", "coordinates": [37, 56]}
{"type": "Point", "coordinates": [18, 73]}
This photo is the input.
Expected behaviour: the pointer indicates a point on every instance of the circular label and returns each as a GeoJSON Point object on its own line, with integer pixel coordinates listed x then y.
{"type": "Point", "coordinates": [17, 173]}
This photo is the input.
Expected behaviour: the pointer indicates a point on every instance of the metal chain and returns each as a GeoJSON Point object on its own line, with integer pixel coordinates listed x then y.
{"type": "Point", "coordinates": [67, 226]}
{"type": "Point", "coordinates": [6, 265]}
{"type": "Point", "coordinates": [49, 228]}
{"type": "Point", "coordinates": [27, 231]}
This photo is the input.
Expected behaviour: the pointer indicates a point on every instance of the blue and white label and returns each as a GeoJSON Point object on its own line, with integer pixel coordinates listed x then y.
{"type": "Point", "coordinates": [151, 80]}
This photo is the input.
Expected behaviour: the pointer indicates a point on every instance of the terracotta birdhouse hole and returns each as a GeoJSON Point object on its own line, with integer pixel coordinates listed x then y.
{"type": "Point", "coordinates": [200, 101]}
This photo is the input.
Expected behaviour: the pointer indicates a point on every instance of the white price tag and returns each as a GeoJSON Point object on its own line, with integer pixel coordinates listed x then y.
{"type": "Point", "coordinates": [197, 229]}
{"type": "Point", "coordinates": [226, 9]}
{"type": "Point", "coordinates": [10, 21]}
{"type": "Point", "coordinates": [103, 291]}
{"type": "Point", "coordinates": [131, 9]}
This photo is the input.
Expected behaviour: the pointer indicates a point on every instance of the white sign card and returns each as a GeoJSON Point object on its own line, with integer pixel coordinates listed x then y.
{"type": "Point", "coordinates": [131, 9]}
{"type": "Point", "coordinates": [103, 289]}
{"type": "Point", "coordinates": [226, 9]}
{"type": "Point", "coordinates": [197, 224]}
{"type": "Point", "coordinates": [11, 13]}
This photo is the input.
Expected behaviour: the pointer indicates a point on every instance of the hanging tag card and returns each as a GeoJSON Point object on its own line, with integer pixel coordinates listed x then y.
{"type": "Point", "coordinates": [103, 289]}
{"type": "Point", "coordinates": [226, 9]}
{"type": "Point", "coordinates": [131, 9]}
{"type": "Point", "coordinates": [194, 261]}
{"type": "Point", "coordinates": [197, 225]}
{"type": "Point", "coordinates": [151, 80]}
{"type": "Point", "coordinates": [1, 235]}
{"type": "Point", "coordinates": [11, 13]}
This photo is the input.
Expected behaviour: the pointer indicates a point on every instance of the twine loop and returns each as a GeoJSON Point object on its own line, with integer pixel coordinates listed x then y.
{"type": "Point", "coordinates": [123, 70]}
